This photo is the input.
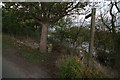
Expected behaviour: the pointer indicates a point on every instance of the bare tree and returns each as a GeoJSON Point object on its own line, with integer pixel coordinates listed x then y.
{"type": "Point", "coordinates": [111, 26]}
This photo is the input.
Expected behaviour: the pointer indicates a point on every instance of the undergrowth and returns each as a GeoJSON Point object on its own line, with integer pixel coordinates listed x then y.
{"type": "Point", "coordinates": [30, 54]}
{"type": "Point", "coordinates": [72, 67]}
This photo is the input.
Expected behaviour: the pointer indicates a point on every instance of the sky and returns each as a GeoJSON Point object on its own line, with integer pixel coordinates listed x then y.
{"type": "Point", "coordinates": [101, 6]}
{"type": "Point", "coordinates": [1, 4]}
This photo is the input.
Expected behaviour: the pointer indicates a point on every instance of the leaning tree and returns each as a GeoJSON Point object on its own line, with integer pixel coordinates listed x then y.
{"type": "Point", "coordinates": [47, 13]}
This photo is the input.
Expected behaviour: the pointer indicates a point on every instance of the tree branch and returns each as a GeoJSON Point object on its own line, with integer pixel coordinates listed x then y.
{"type": "Point", "coordinates": [113, 17]}
{"type": "Point", "coordinates": [107, 26]}
{"type": "Point", "coordinates": [117, 7]}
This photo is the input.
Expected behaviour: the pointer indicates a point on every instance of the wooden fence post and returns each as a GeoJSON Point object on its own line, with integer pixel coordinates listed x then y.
{"type": "Point", "coordinates": [92, 31]}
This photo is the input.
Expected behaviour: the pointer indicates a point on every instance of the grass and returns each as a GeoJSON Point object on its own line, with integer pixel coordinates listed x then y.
{"type": "Point", "coordinates": [72, 67]}
{"type": "Point", "coordinates": [30, 54]}
{"type": "Point", "coordinates": [34, 56]}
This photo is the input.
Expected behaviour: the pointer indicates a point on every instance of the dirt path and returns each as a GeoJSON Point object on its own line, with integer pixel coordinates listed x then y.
{"type": "Point", "coordinates": [14, 66]}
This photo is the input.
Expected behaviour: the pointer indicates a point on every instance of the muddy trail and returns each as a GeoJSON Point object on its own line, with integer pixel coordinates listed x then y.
{"type": "Point", "coordinates": [15, 66]}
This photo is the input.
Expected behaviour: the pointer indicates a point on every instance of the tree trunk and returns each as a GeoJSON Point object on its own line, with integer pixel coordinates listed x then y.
{"type": "Point", "coordinates": [43, 39]}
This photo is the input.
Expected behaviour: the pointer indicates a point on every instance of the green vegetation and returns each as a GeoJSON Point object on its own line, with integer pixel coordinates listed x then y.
{"type": "Point", "coordinates": [59, 28]}
{"type": "Point", "coordinates": [32, 55]}
{"type": "Point", "coordinates": [19, 25]}
{"type": "Point", "coordinates": [72, 67]}
{"type": "Point", "coordinates": [7, 42]}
